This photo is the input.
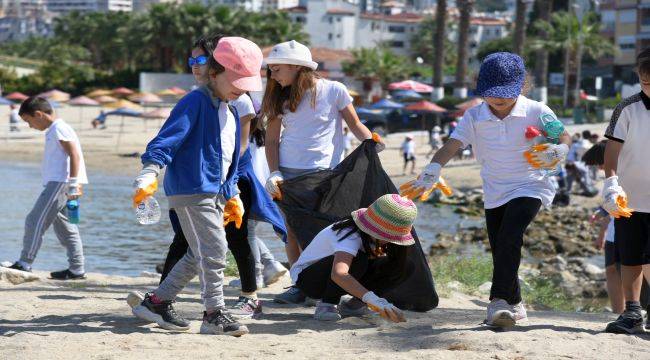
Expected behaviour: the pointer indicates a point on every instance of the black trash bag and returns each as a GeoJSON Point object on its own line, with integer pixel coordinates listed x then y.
{"type": "Point", "coordinates": [314, 201]}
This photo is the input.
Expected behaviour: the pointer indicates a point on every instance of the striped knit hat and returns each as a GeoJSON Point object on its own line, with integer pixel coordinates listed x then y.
{"type": "Point", "coordinates": [390, 218]}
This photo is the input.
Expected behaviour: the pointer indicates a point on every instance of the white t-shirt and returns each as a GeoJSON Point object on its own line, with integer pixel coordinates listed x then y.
{"type": "Point", "coordinates": [228, 138]}
{"type": "Point", "coordinates": [326, 243]}
{"type": "Point", "coordinates": [578, 149]}
{"type": "Point", "coordinates": [313, 137]}
{"type": "Point", "coordinates": [609, 234]}
{"type": "Point", "coordinates": [14, 116]}
{"type": "Point", "coordinates": [56, 162]}
{"type": "Point", "coordinates": [630, 125]}
{"type": "Point", "coordinates": [244, 106]}
{"type": "Point", "coordinates": [499, 146]}
{"type": "Point", "coordinates": [408, 148]}
{"type": "Point", "coordinates": [258, 160]}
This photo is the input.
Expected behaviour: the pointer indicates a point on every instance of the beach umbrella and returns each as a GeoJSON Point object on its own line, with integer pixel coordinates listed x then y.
{"type": "Point", "coordinates": [149, 98]}
{"type": "Point", "coordinates": [99, 92]}
{"type": "Point", "coordinates": [160, 113]}
{"type": "Point", "coordinates": [83, 101]}
{"type": "Point", "coordinates": [122, 91]}
{"type": "Point", "coordinates": [386, 104]}
{"type": "Point", "coordinates": [353, 93]}
{"type": "Point", "coordinates": [5, 101]}
{"type": "Point", "coordinates": [16, 96]}
{"type": "Point", "coordinates": [410, 85]}
{"type": "Point", "coordinates": [166, 92]}
{"type": "Point", "coordinates": [407, 95]}
{"type": "Point", "coordinates": [55, 95]}
{"type": "Point", "coordinates": [54, 104]}
{"type": "Point", "coordinates": [122, 104]}
{"type": "Point", "coordinates": [105, 99]}
{"type": "Point", "coordinates": [426, 106]}
{"type": "Point", "coordinates": [178, 91]}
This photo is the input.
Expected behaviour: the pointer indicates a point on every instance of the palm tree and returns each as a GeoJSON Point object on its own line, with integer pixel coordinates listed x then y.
{"type": "Point", "coordinates": [520, 26]}
{"type": "Point", "coordinates": [565, 33]}
{"type": "Point", "coordinates": [376, 64]}
{"type": "Point", "coordinates": [465, 9]}
{"type": "Point", "coordinates": [439, 55]}
{"type": "Point", "coordinates": [541, 55]}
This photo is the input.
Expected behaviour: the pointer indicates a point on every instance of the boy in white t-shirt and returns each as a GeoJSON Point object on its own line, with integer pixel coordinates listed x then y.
{"type": "Point", "coordinates": [626, 163]}
{"type": "Point", "coordinates": [63, 172]}
{"type": "Point", "coordinates": [408, 152]}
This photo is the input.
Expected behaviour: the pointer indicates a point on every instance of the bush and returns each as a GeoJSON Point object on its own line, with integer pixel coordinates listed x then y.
{"type": "Point", "coordinates": [449, 102]}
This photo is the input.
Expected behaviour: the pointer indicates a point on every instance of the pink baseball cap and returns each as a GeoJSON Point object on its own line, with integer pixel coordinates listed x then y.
{"type": "Point", "coordinates": [242, 59]}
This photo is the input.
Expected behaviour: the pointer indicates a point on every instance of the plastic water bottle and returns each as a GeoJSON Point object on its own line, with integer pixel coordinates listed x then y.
{"type": "Point", "coordinates": [72, 207]}
{"type": "Point", "coordinates": [148, 211]}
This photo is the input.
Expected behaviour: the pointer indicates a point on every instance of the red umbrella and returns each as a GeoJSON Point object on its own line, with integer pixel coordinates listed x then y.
{"type": "Point", "coordinates": [425, 106]}
{"type": "Point", "coordinates": [16, 96]}
{"type": "Point", "coordinates": [83, 101]}
{"type": "Point", "coordinates": [410, 85]}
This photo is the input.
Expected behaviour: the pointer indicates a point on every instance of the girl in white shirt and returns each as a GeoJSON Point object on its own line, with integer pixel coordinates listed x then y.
{"type": "Point", "coordinates": [305, 115]}
{"type": "Point", "coordinates": [514, 190]}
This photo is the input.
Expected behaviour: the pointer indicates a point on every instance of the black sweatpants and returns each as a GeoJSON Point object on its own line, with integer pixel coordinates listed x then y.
{"type": "Point", "coordinates": [316, 280]}
{"type": "Point", "coordinates": [506, 225]}
{"type": "Point", "coordinates": [237, 243]}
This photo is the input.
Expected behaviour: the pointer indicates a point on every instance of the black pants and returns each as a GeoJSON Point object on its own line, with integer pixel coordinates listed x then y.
{"type": "Point", "coordinates": [506, 226]}
{"type": "Point", "coordinates": [237, 243]}
{"type": "Point", "coordinates": [316, 280]}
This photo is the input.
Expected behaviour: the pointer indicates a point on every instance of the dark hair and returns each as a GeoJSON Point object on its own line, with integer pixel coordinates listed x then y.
{"type": "Point", "coordinates": [258, 131]}
{"type": "Point", "coordinates": [33, 104]}
{"type": "Point", "coordinates": [278, 99]}
{"type": "Point", "coordinates": [207, 43]}
{"type": "Point", "coordinates": [586, 134]}
{"type": "Point", "coordinates": [394, 266]}
{"type": "Point", "coordinates": [643, 62]}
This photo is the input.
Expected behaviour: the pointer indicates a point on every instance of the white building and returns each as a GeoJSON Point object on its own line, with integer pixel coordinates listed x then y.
{"type": "Point", "coordinates": [20, 19]}
{"type": "Point", "coordinates": [272, 5]}
{"type": "Point", "coordinates": [66, 6]}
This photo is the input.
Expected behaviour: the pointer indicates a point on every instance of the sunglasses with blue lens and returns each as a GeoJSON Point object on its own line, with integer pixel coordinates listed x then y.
{"type": "Point", "coordinates": [199, 60]}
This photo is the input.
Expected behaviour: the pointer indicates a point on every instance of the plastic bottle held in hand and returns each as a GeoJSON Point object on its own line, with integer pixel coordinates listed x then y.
{"type": "Point", "coordinates": [553, 128]}
{"type": "Point", "coordinates": [147, 209]}
{"type": "Point", "coordinates": [72, 207]}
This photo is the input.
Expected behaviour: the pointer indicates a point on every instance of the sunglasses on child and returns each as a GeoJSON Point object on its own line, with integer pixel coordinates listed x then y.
{"type": "Point", "coordinates": [199, 60]}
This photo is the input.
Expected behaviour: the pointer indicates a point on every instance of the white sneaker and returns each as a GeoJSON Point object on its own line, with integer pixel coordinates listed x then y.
{"type": "Point", "coordinates": [500, 314]}
{"type": "Point", "coordinates": [134, 298]}
{"type": "Point", "coordinates": [273, 272]}
{"type": "Point", "coordinates": [520, 312]}
{"type": "Point", "coordinates": [326, 312]}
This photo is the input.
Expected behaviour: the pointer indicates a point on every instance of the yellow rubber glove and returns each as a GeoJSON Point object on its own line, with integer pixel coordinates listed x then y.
{"type": "Point", "coordinates": [234, 211]}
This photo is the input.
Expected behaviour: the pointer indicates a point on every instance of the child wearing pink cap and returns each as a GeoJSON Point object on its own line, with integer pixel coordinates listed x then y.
{"type": "Point", "coordinates": [341, 260]}
{"type": "Point", "coordinates": [311, 111]}
{"type": "Point", "coordinates": [200, 145]}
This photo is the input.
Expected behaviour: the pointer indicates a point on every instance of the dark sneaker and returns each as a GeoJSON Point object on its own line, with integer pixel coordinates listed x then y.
{"type": "Point", "coordinates": [162, 314]}
{"type": "Point", "coordinates": [293, 295]}
{"type": "Point", "coordinates": [66, 275]}
{"type": "Point", "coordinates": [629, 322]}
{"type": "Point", "coordinates": [18, 266]}
{"type": "Point", "coordinates": [246, 308]}
{"type": "Point", "coordinates": [221, 322]}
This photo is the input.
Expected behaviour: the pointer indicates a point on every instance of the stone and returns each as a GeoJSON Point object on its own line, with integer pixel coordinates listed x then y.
{"type": "Point", "coordinates": [16, 276]}
{"type": "Point", "coordinates": [485, 287]}
{"type": "Point", "coordinates": [454, 285]}
{"type": "Point", "coordinates": [594, 272]}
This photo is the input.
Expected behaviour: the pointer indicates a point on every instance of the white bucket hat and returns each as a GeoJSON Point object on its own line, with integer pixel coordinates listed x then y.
{"type": "Point", "coordinates": [291, 53]}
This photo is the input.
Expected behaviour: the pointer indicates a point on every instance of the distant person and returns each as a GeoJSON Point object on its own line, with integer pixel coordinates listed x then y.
{"type": "Point", "coordinates": [576, 168]}
{"type": "Point", "coordinates": [63, 173]}
{"type": "Point", "coordinates": [14, 118]}
{"type": "Point", "coordinates": [100, 120]}
{"type": "Point", "coordinates": [408, 153]}
{"type": "Point", "coordinates": [435, 139]}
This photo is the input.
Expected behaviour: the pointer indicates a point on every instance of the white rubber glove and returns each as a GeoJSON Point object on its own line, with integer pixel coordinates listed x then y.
{"type": "Point", "coordinates": [383, 307]}
{"type": "Point", "coordinates": [74, 188]}
{"type": "Point", "coordinates": [148, 175]}
{"type": "Point", "coordinates": [429, 176]}
{"type": "Point", "coordinates": [552, 155]}
{"type": "Point", "coordinates": [615, 199]}
{"type": "Point", "coordinates": [272, 184]}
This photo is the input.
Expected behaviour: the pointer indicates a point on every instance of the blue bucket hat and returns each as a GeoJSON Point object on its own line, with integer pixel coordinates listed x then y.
{"type": "Point", "coordinates": [502, 75]}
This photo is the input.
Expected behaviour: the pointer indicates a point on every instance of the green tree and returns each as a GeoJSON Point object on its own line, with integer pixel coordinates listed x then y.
{"type": "Point", "coordinates": [423, 46]}
{"type": "Point", "coordinates": [575, 40]}
{"type": "Point", "coordinates": [376, 64]}
{"type": "Point", "coordinates": [465, 9]}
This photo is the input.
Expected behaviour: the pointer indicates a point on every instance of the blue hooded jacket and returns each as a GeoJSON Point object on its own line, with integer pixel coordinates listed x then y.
{"type": "Point", "coordinates": [189, 144]}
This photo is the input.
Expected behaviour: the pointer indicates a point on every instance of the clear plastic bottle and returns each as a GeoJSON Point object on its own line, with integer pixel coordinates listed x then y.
{"type": "Point", "coordinates": [148, 211]}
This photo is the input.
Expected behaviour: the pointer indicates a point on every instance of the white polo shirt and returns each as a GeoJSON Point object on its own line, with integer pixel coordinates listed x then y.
{"type": "Point", "coordinates": [499, 146]}
{"type": "Point", "coordinates": [630, 125]}
{"type": "Point", "coordinates": [56, 162]}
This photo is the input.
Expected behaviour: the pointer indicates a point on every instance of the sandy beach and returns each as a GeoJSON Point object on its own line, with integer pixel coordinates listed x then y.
{"type": "Point", "coordinates": [89, 319]}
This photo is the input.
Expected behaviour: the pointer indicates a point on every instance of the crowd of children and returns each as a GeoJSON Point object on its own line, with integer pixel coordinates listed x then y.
{"type": "Point", "coordinates": [226, 159]}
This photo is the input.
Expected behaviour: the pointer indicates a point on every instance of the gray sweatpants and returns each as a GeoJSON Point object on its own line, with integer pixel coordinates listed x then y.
{"type": "Point", "coordinates": [201, 219]}
{"type": "Point", "coordinates": [49, 209]}
{"type": "Point", "coordinates": [261, 253]}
